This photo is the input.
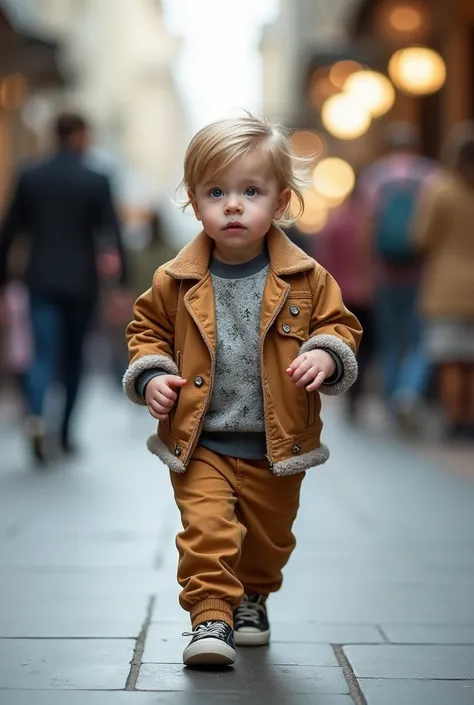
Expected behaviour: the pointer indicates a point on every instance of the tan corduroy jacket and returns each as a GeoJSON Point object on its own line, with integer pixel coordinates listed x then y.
{"type": "Point", "coordinates": [175, 329]}
{"type": "Point", "coordinates": [445, 234]}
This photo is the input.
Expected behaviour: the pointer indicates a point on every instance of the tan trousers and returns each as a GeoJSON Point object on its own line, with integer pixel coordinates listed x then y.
{"type": "Point", "coordinates": [237, 520]}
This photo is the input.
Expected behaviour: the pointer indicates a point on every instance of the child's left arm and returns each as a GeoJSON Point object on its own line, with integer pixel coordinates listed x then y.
{"type": "Point", "coordinates": [327, 360]}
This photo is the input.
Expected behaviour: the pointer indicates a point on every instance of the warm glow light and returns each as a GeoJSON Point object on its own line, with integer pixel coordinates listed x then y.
{"type": "Point", "coordinates": [333, 179]}
{"type": "Point", "coordinates": [405, 19]}
{"type": "Point", "coordinates": [373, 90]}
{"type": "Point", "coordinates": [345, 117]}
{"type": "Point", "coordinates": [315, 213]}
{"type": "Point", "coordinates": [321, 87]}
{"type": "Point", "coordinates": [13, 91]}
{"type": "Point", "coordinates": [417, 70]}
{"type": "Point", "coordinates": [341, 71]}
{"type": "Point", "coordinates": [308, 144]}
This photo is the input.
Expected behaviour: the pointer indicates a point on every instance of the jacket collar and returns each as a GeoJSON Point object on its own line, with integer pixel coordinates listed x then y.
{"type": "Point", "coordinates": [285, 257]}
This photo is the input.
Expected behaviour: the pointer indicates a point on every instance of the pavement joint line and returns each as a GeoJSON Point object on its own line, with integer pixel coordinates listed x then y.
{"type": "Point", "coordinates": [136, 661]}
{"type": "Point", "coordinates": [354, 688]}
{"type": "Point", "coordinates": [382, 634]}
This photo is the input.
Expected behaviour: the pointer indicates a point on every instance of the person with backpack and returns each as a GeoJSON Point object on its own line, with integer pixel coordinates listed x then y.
{"type": "Point", "coordinates": [391, 189]}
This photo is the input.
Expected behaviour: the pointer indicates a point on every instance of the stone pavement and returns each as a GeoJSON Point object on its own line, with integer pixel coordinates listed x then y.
{"type": "Point", "coordinates": [377, 605]}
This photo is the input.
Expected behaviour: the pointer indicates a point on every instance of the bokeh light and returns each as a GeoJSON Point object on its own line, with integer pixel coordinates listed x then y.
{"type": "Point", "coordinates": [315, 214]}
{"type": "Point", "coordinates": [417, 70]}
{"type": "Point", "coordinates": [345, 117]}
{"type": "Point", "coordinates": [405, 18]}
{"type": "Point", "coordinates": [341, 71]}
{"type": "Point", "coordinates": [308, 144]}
{"type": "Point", "coordinates": [373, 90]}
{"type": "Point", "coordinates": [333, 180]}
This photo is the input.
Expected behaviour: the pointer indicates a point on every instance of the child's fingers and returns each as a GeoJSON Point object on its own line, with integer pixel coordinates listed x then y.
{"type": "Point", "coordinates": [156, 414]}
{"type": "Point", "coordinates": [296, 364]}
{"type": "Point", "coordinates": [158, 408]}
{"type": "Point", "coordinates": [164, 400]}
{"type": "Point", "coordinates": [175, 381]}
{"type": "Point", "coordinates": [302, 370]}
{"type": "Point", "coordinates": [308, 377]}
{"type": "Point", "coordinates": [166, 393]}
{"type": "Point", "coordinates": [318, 380]}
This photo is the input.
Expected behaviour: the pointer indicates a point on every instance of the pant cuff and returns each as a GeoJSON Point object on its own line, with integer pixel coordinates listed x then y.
{"type": "Point", "coordinates": [212, 608]}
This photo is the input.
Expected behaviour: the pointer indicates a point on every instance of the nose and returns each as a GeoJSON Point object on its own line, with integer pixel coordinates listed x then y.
{"type": "Point", "coordinates": [233, 205]}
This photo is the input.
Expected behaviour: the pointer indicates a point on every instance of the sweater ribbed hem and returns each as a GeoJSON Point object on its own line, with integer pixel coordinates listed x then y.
{"type": "Point", "coordinates": [212, 608]}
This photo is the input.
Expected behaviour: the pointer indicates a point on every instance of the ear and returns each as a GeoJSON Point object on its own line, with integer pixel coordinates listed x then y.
{"type": "Point", "coordinates": [282, 203]}
{"type": "Point", "coordinates": [194, 203]}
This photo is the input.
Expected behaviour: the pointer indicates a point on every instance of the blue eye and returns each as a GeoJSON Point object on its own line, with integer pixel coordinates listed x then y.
{"type": "Point", "coordinates": [251, 191]}
{"type": "Point", "coordinates": [217, 193]}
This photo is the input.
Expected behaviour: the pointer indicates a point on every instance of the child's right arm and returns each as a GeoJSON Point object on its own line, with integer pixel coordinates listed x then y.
{"type": "Point", "coordinates": [150, 339]}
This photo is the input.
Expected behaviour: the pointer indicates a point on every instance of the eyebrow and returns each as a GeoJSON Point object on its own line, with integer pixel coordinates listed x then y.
{"type": "Point", "coordinates": [245, 179]}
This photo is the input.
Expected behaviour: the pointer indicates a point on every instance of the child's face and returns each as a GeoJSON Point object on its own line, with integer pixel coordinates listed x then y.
{"type": "Point", "coordinates": [237, 207]}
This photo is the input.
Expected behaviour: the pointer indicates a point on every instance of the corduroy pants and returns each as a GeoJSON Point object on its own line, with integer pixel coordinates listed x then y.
{"type": "Point", "coordinates": [237, 532]}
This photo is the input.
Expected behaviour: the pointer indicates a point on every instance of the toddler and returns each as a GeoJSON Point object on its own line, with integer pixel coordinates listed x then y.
{"type": "Point", "coordinates": [229, 350]}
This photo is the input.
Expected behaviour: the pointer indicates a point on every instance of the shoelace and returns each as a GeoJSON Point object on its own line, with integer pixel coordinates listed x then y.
{"type": "Point", "coordinates": [217, 629]}
{"type": "Point", "coordinates": [249, 611]}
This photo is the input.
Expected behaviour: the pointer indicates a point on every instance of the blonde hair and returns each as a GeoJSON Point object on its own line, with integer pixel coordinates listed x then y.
{"type": "Point", "coordinates": [217, 145]}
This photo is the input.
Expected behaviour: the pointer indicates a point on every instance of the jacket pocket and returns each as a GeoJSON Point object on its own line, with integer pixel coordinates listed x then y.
{"type": "Point", "coordinates": [178, 361]}
{"type": "Point", "coordinates": [311, 415]}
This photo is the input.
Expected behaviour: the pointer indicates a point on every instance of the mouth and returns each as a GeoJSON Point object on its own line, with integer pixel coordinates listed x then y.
{"type": "Point", "coordinates": [234, 225]}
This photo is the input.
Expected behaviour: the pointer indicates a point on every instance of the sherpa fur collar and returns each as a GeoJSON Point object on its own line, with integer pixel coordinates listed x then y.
{"type": "Point", "coordinates": [193, 260]}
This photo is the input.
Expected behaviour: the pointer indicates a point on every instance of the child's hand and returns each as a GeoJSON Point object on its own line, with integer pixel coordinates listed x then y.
{"type": "Point", "coordinates": [311, 369]}
{"type": "Point", "coordinates": [159, 395]}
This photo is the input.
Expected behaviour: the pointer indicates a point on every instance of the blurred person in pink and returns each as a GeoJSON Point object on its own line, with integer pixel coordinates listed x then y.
{"type": "Point", "coordinates": [343, 249]}
{"type": "Point", "coordinates": [445, 236]}
{"type": "Point", "coordinates": [391, 189]}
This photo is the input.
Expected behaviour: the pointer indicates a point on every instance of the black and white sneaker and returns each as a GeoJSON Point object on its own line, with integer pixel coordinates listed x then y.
{"type": "Point", "coordinates": [251, 626]}
{"type": "Point", "coordinates": [212, 644]}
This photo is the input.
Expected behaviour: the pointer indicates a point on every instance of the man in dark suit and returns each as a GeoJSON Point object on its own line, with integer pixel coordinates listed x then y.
{"type": "Point", "coordinates": [64, 209]}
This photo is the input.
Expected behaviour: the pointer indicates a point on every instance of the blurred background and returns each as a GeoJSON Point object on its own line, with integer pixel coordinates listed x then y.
{"type": "Point", "coordinates": [372, 89]}
{"type": "Point", "coordinates": [379, 96]}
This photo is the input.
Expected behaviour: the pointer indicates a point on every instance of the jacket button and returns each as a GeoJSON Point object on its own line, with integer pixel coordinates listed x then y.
{"type": "Point", "coordinates": [177, 450]}
{"type": "Point", "coordinates": [296, 448]}
{"type": "Point", "coordinates": [286, 328]}
{"type": "Point", "coordinates": [294, 310]}
{"type": "Point", "coordinates": [198, 381]}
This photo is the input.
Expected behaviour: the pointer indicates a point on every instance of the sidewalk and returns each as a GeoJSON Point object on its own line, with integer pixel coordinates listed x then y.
{"type": "Point", "coordinates": [377, 605]}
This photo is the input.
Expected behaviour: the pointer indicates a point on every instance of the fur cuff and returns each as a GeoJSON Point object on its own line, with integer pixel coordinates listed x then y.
{"type": "Point", "coordinates": [156, 446]}
{"type": "Point", "coordinates": [147, 362]}
{"type": "Point", "coordinates": [332, 343]}
{"type": "Point", "coordinates": [300, 463]}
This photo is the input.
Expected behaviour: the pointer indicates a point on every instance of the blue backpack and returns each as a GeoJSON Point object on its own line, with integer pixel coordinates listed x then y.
{"type": "Point", "coordinates": [393, 227]}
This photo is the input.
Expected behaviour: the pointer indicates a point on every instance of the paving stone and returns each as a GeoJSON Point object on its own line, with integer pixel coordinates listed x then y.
{"type": "Point", "coordinates": [62, 697]}
{"type": "Point", "coordinates": [160, 650]}
{"type": "Point", "coordinates": [63, 664]}
{"type": "Point", "coordinates": [98, 618]}
{"type": "Point", "coordinates": [291, 632]}
{"type": "Point", "coordinates": [396, 661]}
{"type": "Point", "coordinates": [429, 633]}
{"type": "Point", "coordinates": [33, 552]}
{"type": "Point", "coordinates": [415, 692]}
{"type": "Point", "coordinates": [274, 681]}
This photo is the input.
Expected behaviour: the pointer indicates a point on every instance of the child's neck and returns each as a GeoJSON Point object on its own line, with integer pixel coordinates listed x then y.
{"type": "Point", "coordinates": [236, 256]}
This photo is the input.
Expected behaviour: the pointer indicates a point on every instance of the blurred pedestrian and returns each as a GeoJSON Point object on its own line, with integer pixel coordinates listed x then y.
{"type": "Point", "coordinates": [249, 330]}
{"type": "Point", "coordinates": [445, 235]}
{"type": "Point", "coordinates": [343, 248]}
{"type": "Point", "coordinates": [63, 207]}
{"type": "Point", "coordinates": [391, 189]}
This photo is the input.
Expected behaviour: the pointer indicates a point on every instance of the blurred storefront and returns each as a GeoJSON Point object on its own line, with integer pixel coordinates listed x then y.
{"type": "Point", "coordinates": [28, 65]}
{"type": "Point", "coordinates": [446, 29]}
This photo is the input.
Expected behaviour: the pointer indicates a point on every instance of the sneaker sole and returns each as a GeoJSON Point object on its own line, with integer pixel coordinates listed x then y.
{"type": "Point", "coordinates": [251, 638]}
{"type": "Point", "coordinates": [209, 652]}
